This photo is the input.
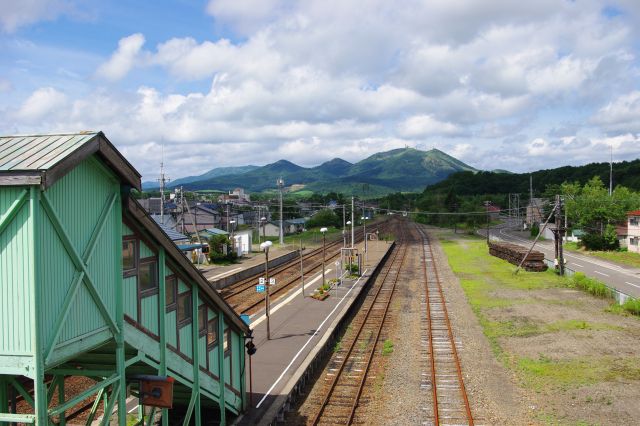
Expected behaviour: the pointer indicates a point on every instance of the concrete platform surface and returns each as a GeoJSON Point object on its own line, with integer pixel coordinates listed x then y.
{"type": "Point", "coordinates": [297, 325]}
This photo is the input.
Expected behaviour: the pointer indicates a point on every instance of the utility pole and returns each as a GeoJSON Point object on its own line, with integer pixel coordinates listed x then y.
{"type": "Point", "coordinates": [558, 234]}
{"type": "Point", "coordinates": [301, 270]}
{"type": "Point", "coordinates": [280, 187]}
{"type": "Point", "coordinates": [486, 204]}
{"type": "Point", "coordinates": [610, 170]}
{"type": "Point", "coordinates": [344, 232]}
{"type": "Point", "coordinates": [163, 179]}
{"type": "Point", "coordinates": [353, 220]}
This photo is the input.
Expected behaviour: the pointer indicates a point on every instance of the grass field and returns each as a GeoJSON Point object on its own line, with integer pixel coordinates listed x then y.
{"type": "Point", "coordinates": [521, 314]}
{"type": "Point", "coordinates": [623, 257]}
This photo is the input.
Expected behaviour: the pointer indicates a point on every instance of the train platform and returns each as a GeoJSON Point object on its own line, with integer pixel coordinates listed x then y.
{"type": "Point", "coordinates": [300, 326]}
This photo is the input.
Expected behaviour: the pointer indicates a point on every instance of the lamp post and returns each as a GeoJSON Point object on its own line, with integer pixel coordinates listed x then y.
{"type": "Point", "coordinates": [231, 223]}
{"type": "Point", "coordinates": [364, 228]}
{"type": "Point", "coordinates": [349, 223]}
{"type": "Point", "coordinates": [263, 221]}
{"type": "Point", "coordinates": [265, 247]}
{"type": "Point", "coordinates": [324, 231]}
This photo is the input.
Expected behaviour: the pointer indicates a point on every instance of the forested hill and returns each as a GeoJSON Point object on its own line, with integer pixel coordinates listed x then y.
{"type": "Point", "coordinates": [626, 173]}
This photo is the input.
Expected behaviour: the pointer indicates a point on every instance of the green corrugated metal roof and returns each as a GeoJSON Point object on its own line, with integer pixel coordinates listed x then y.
{"type": "Point", "coordinates": [41, 152]}
{"type": "Point", "coordinates": [43, 159]}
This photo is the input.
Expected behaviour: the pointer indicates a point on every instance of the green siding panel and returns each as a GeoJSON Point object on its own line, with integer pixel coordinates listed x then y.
{"type": "Point", "coordinates": [79, 198]}
{"type": "Point", "coordinates": [202, 351]}
{"type": "Point", "coordinates": [185, 340]}
{"type": "Point", "coordinates": [182, 287]}
{"type": "Point", "coordinates": [213, 360]}
{"type": "Point", "coordinates": [235, 356]}
{"type": "Point", "coordinates": [130, 294]}
{"type": "Point", "coordinates": [15, 277]}
{"type": "Point", "coordinates": [145, 251]}
{"type": "Point", "coordinates": [126, 230]}
{"type": "Point", "coordinates": [170, 321]}
{"type": "Point", "coordinates": [149, 313]}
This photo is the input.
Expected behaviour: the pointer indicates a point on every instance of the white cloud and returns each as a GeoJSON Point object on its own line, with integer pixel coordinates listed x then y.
{"type": "Point", "coordinates": [5, 85]}
{"type": "Point", "coordinates": [425, 125]}
{"type": "Point", "coordinates": [123, 59]}
{"type": "Point", "coordinates": [621, 115]}
{"type": "Point", "coordinates": [18, 13]}
{"type": "Point", "coordinates": [490, 81]}
{"type": "Point", "coordinates": [43, 104]}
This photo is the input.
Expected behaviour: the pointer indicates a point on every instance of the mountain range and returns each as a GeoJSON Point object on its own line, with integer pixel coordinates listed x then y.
{"type": "Point", "coordinates": [404, 169]}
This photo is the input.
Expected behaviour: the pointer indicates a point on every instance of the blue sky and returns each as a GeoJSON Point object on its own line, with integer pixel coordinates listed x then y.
{"type": "Point", "coordinates": [496, 83]}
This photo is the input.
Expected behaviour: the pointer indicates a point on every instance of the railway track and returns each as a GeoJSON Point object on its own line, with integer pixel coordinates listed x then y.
{"type": "Point", "coordinates": [352, 363]}
{"type": "Point", "coordinates": [442, 375]}
{"type": "Point", "coordinates": [242, 295]}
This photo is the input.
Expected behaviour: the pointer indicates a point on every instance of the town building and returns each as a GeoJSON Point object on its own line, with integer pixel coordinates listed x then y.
{"type": "Point", "coordinates": [633, 231]}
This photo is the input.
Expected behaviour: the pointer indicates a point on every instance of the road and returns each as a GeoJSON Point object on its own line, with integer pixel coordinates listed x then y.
{"type": "Point", "coordinates": [624, 279]}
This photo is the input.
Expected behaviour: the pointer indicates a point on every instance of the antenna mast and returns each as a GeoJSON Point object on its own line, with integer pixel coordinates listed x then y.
{"type": "Point", "coordinates": [610, 169]}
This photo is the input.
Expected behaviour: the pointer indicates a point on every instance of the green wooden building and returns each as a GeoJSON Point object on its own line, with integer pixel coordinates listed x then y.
{"type": "Point", "coordinates": [90, 286]}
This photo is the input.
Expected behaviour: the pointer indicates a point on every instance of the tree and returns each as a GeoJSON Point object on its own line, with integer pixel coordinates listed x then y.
{"type": "Point", "coordinates": [326, 217]}
{"type": "Point", "coordinates": [591, 207]}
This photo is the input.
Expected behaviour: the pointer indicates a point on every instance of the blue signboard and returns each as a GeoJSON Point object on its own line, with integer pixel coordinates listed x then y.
{"type": "Point", "coordinates": [260, 289]}
{"type": "Point", "coordinates": [246, 318]}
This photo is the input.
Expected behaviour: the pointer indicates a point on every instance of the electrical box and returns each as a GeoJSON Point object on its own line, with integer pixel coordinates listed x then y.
{"type": "Point", "coordinates": [156, 391]}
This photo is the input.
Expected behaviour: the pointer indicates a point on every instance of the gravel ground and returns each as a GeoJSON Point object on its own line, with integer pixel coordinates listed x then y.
{"type": "Point", "coordinates": [492, 391]}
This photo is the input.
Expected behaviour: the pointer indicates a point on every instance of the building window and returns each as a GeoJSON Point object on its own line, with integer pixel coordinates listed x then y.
{"type": "Point", "coordinates": [148, 277]}
{"type": "Point", "coordinates": [129, 256]}
{"type": "Point", "coordinates": [171, 288]}
{"type": "Point", "coordinates": [184, 309]}
{"type": "Point", "coordinates": [212, 333]}
{"type": "Point", "coordinates": [227, 343]}
{"type": "Point", "coordinates": [633, 221]}
{"type": "Point", "coordinates": [202, 320]}
{"type": "Point", "coordinates": [633, 241]}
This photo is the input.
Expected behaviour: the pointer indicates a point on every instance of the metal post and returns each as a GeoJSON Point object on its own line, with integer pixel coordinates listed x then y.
{"type": "Point", "coordinates": [266, 299]}
{"type": "Point", "coordinates": [486, 203]}
{"type": "Point", "coordinates": [559, 233]}
{"type": "Point", "coordinates": [280, 186]}
{"type": "Point", "coordinates": [353, 220]}
{"type": "Point", "coordinates": [301, 270]}
{"type": "Point", "coordinates": [323, 258]}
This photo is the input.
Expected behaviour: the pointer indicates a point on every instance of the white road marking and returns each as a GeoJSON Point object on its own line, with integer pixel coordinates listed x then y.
{"type": "Point", "coordinates": [225, 273]}
{"type": "Point", "coordinates": [308, 341]}
{"type": "Point", "coordinates": [578, 265]}
{"type": "Point", "coordinates": [601, 273]}
{"type": "Point", "coordinates": [635, 285]}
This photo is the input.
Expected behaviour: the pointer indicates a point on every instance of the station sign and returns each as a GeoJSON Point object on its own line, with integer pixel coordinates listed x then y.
{"type": "Point", "coordinates": [262, 281]}
{"type": "Point", "coordinates": [272, 281]}
{"type": "Point", "coordinates": [260, 288]}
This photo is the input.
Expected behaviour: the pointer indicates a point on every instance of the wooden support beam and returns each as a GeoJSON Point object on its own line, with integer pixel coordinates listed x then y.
{"type": "Point", "coordinates": [84, 395]}
{"type": "Point", "coordinates": [13, 210]}
{"type": "Point", "coordinates": [77, 261]}
{"type": "Point", "coordinates": [221, 401]}
{"type": "Point", "coordinates": [94, 407]}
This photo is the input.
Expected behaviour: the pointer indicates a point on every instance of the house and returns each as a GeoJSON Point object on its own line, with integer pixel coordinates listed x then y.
{"type": "Point", "coordinates": [633, 231]}
{"type": "Point", "coordinates": [294, 226]}
{"type": "Point", "coordinates": [493, 211]}
{"type": "Point", "coordinates": [270, 229]}
{"type": "Point", "coordinates": [210, 232]}
{"type": "Point", "coordinates": [237, 196]}
{"type": "Point", "coordinates": [173, 235]}
{"type": "Point", "coordinates": [197, 218]}
{"type": "Point", "coordinates": [92, 287]}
